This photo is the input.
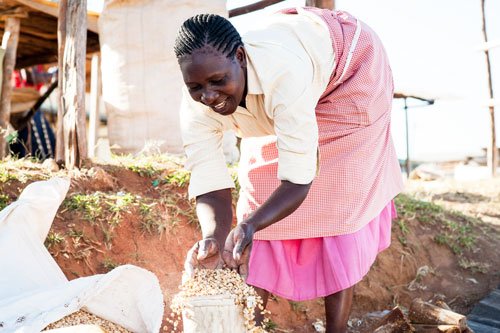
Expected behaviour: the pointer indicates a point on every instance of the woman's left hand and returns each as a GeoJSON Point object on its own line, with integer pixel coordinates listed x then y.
{"type": "Point", "coordinates": [238, 247]}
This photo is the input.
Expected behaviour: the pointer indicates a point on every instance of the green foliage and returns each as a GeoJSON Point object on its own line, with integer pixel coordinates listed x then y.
{"type": "Point", "coordinates": [152, 220]}
{"type": "Point", "coordinates": [178, 177]}
{"type": "Point", "coordinates": [109, 264]}
{"type": "Point", "coordinates": [454, 229]}
{"type": "Point", "coordinates": [457, 236]}
{"type": "Point", "coordinates": [270, 325]}
{"type": "Point", "coordinates": [107, 210]}
{"type": "Point", "coordinates": [146, 169]}
{"type": "Point", "coordinates": [53, 238]}
{"type": "Point", "coordinates": [101, 206]}
{"type": "Point", "coordinates": [235, 193]}
{"type": "Point", "coordinates": [149, 165]}
{"type": "Point", "coordinates": [88, 204]}
{"type": "Point", "coordinates": [119, 204]}
{"type": "Point", "coordinates": [12, 137]}
{"type": "Point", "coordinates": [77, 234]}
{"type": "Point", "coordinates": [6, 175]}
{"type": "Point", "coordinates": [22, 170]}
{"type": "Point", "coordinates": [404, 229]}
{"type": "Point", "coordinates": [297, 306]}
{"type": "Point", "coordinates": [474, 266]}
{"type": "Point", "coordinates": [4, 201]}
{"type": "Point", "coordinates": [103, 209]}
{"type": "Point", "coordinates": [409, 207]}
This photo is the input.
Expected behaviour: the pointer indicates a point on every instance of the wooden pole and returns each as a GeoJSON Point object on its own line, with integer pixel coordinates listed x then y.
{"type": "Point", "coordinates": [437, 329]}
{"type": "Point", "coordinates": [407, 132]}
{"type": "Point", "coordinates": [61, 39]}
{"type": "Point", "coordinates": [9, 43]}
{"type": "Point", "coordinates": [327, 4]}
{"type": "Point", "coordinates": [95, 88]}
{"type": "Point", "coordinates": [394, 321]}
{"type": "Point", "coordinates": [252, 7]}
{"type": "Point", "coordinates": [493, 151]}
{"type": "Point", "coordinates": [425, 313]}
{"type": "Point", "coordinates": [73, 83]}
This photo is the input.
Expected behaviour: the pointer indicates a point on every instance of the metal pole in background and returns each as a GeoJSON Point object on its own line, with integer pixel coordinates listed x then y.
{"type": "Point", "coordinates": [408, 162]}
{"type": "Point", "coordinates": [492, 149]}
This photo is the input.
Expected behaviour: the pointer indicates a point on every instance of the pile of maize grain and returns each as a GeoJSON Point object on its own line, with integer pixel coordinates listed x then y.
{"type": "Point", "coordinates": [207, 282]}
{"type": "Point", "coordinates": [84, 318]}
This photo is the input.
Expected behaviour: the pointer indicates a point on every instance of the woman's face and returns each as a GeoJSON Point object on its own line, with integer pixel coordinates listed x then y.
{"type": "Point", "coordinates": [214, 79]}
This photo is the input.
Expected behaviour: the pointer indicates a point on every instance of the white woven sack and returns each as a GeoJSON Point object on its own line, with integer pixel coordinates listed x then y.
{"type": "Point", "coordinates": [140, 75]}
{"type": "Point", "coordinates": [34, 291]}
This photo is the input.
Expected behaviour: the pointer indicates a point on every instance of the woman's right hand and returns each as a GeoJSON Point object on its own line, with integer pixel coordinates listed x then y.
{"type": "Point", "coordinates": [205, 254]}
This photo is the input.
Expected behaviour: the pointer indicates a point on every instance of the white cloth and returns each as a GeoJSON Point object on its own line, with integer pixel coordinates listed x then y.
{"type": "Point", "coordinates": [141, 80]}
{"type": "Point", "coordinates": [34, 291]}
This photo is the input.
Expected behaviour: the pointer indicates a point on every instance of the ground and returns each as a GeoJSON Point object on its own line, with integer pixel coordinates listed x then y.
{"type": "Point", "coordinates": [136, 211]}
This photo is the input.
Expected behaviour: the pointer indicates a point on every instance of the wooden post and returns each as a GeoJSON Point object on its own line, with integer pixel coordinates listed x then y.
{"type": "Point", "coordinates": [492, 149]}
{"type": "Point", "coordinates": [407, 127]}
{"type": "Point", "coordinates": [394, 321]}
{"type": "Point", "coordinates": [73, 82]}
{"type": "Point", "coordinates": [252, 7]}
{"type": "Point", "coordinates": [61, 40]}
{"type": "Point", "coordinates": [438, 329]}
{"type": "Point", "coordinates": [95, 91]}
{"type": "Point", "coordinates": [428, 314]}
{"type": "Point", "coordinates": [328, 4]}
{"type": "Point", "coordinates": [9, 43]}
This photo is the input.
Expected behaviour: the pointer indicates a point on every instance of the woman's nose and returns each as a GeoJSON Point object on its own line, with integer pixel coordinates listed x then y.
{"type": "Point", "coordinates": [209, 97]}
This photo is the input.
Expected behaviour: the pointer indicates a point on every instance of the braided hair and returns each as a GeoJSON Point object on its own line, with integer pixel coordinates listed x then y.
{"type": "Point", "coordinates": [207, 29]}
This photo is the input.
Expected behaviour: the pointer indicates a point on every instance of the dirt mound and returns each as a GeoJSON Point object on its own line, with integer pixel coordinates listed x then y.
{"type": "Point", "coordinates": [138, 213]}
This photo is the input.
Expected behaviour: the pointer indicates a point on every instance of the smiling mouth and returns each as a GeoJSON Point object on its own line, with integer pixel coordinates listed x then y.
{"type": "Point", "coordinates": [220, 106]}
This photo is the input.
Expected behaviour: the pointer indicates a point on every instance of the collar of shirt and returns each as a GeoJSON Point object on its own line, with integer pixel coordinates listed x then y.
{"type": "Point", "coordinates": [253, 88]}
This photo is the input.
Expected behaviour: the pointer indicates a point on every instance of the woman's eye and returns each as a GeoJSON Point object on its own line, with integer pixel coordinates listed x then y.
{"type": "Point", "coordinates": [193, 88]}
{"type": "Point", "coordinates": [218, 81]}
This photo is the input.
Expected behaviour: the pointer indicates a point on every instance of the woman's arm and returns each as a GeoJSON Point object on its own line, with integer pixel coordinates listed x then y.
{"type": "Point", "coordinates": [282, 202]}
{"type": "Point", "coordinates": [215, 214]}
{"type": "Point", "coordinates": [214, 210]}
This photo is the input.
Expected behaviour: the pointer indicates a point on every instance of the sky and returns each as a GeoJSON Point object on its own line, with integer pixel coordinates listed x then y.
{"type": "Point", "coordinates": [433, 47]}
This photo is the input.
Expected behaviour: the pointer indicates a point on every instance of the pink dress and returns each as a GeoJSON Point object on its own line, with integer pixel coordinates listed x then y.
{"type": "Point", "coordinates": [333, 238]}
{"type": "Point", "coordinates": [303, 269]}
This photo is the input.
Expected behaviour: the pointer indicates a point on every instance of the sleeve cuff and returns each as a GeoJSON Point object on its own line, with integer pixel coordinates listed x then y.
{"type": "Point", "coordinates": [297, 168]}
{"type": "Point", "coordinates": [209, 177]}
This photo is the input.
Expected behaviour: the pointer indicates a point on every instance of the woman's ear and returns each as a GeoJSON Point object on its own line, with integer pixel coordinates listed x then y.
{"type": "Point", "coordinates": [241, 56]}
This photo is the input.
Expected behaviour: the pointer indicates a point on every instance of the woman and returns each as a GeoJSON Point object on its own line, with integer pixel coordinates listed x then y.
{"type": "Point", "coordinates": [310, 93]}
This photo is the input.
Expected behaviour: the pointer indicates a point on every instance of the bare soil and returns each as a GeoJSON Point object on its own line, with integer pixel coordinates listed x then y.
{"type": "Point", "coordinates": [444, 241]}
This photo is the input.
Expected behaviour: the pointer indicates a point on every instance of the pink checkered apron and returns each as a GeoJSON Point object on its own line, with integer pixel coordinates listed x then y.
{"type": "Point", "coordinates": [358, 169]}
{"type": "Point", "coordinates": [331, 240]}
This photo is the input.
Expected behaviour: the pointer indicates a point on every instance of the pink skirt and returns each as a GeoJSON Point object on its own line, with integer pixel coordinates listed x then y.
{"type": "Point", "coordinates": [303, 269]}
